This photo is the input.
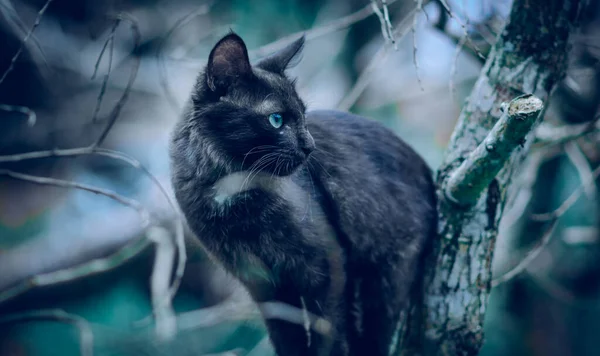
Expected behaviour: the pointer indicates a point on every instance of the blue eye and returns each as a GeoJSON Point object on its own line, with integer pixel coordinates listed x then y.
{"type": "Point", "coordinates": [276, 120]}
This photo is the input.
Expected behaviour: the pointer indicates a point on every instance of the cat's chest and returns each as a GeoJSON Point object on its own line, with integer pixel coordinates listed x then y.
{"type": "Point", "coordinates": [297, 193]}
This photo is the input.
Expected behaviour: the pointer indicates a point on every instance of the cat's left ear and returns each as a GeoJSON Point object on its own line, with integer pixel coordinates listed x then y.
{"type": "Point", "coordinates": [282, 60]}
{"type": "Point", "coordinates": [228, 61]}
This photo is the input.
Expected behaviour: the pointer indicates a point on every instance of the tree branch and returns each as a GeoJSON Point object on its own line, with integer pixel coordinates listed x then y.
{"type": "Point", "coordinates": [472, 177]}
{"type": "Point", "coordinates": [458, 271]}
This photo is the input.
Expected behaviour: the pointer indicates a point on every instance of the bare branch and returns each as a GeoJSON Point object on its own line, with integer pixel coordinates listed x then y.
{"type": "Point", "coordinates": [162, 71]}
{"type": "Point", "coordinates": [247, 310]}
{"type": "Point", "coordinates": [459, 47]}
{"type": "Point", "coordinates": [110, 42]}
{"type": "Point", "coordinates": [387, 30]}
{"type": "Point", "coordinates": [22, 46]}
{"type": "Point", "coordinates": [582, 165]}
{"type": "Point", "coordinates": [464, 28]}
{"type": "Point", "coordinates": [31, 117]}
{"type": "Point", "coordinates": [472, 177]}
{"type": "Point", "coordinates": [571, 200]}
{"type": "Point", "coordinates": [159, 282]}
{"type": "Point", "coordinates": [86, 337]}
{"type": "Point", "coordinates": [114, 115]}
{"type": "Point", "coordinates": [525, 262]}
{"type": "Point", "coordinates": [414, 36]}
{"type": "Point", "coordinates": [91, 150]}
{"type": "Point", "coordinates": [548, 134]}
{"type": "Point", "coordinates": [317, 32]}
{"type": "Point", "coordinates": [87, 269]}
{"type": "Point", "coordinates": [365, 77]}
{"type": "Point", "coordinates": [145, 216]}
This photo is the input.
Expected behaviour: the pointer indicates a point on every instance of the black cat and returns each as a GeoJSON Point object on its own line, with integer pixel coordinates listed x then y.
{"type": "Point", "coordinates": [325, 211]}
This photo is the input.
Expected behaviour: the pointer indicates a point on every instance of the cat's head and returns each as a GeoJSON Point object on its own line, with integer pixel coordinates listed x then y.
{"type": "Point", "coordinates": [252, 113]}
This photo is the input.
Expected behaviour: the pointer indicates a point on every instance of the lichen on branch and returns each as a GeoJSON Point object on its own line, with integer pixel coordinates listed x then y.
{"type": "Point", "coordinates": [466, 183]}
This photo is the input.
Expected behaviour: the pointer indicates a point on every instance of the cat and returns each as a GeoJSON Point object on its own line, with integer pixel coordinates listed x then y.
{"type": "Point", "coordinates": [325, 211]}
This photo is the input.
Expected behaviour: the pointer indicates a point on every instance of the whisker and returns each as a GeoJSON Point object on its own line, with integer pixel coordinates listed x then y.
{"type": "Point", "coordinates": [256, 150]}
{"type": "Point", "coordinates": [319, 163]}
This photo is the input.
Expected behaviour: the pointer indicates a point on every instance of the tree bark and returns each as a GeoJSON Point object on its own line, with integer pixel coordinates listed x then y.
{"type": "Point", "coordinates": [487, 145]}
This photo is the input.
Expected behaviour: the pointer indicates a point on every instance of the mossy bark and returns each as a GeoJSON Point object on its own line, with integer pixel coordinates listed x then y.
{"type": "Point", "coordinates": [530, 57]}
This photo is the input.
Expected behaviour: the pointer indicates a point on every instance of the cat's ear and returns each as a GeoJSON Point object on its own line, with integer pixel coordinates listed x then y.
{"type": "Point", "coordinates": [227, 62]}
{"type": "Point", "coordinates": [282, 60]}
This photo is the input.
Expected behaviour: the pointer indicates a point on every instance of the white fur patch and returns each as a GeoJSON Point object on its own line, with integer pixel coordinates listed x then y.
{"type": "Point", "coordinates": [239, 182]}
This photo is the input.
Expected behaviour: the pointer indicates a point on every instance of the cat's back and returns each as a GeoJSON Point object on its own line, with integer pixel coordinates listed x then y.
{"type": "Point", "coordinates": [356, 140]}
{"type": "Point", "coordinates": [380, 185]}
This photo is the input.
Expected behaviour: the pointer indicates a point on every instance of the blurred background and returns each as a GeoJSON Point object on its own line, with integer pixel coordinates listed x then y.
{"type": "Point", "coordinates": [75, 268]}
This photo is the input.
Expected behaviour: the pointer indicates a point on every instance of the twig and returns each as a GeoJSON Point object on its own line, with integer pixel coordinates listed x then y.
{"type": "Point", "coordinates": [388, 23]}
{"type": "Point", "coordinates": [314, 33]}
{"type": "Point", "coordinates": [570, 201]}
{"type": "Point", "coordinates": [114, 115]}
{"type": "Point", "coordinates": [365, 77]}
{"type": "Point", "coordinates": [8, 11]}
{"type": "Point", "coordinates": [110, 42]}
{"type": "Point", "coordinates": [582, 165]}
{"type": "Point", "coordinates": [525, 262]}
{"type": "Point", "coordinates": [468, 181]}
{"type": "Point", "coordinates": [162, 71]}
{"type": "Point", "coordinates": [22, 46]}
{"type": "Point", "coordinates": [454, 67]}
{"type": "Point", "coordinates": [159, 283]}
{"type": "Point", "coordinates": [86, 337]}
{"type": "Point", "coordinates": [387, 29]}
{"type": "Point", "coordinates": [464, 28]}
{"type": "Point", "coordinates": [246, 310]}
{"type": "Point", "coordinates": [31, 117]}
{"type": "Point", "coordinates": [84, 270]}
{"type": "Point", "coordinates": [414, 37]}
{"type": "Point", "coordinates": [91, 150]}
{"type": "Point", "coordinates": [133, 204]}
{"type": "Point", "coordinates": [548, 134]}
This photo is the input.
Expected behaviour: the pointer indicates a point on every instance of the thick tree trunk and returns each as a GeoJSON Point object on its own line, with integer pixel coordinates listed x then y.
{"type": "Point", "coordinates": [487, 145]}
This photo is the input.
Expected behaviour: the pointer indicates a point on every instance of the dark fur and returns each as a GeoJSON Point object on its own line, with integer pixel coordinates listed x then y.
{"type": "Point", "coordinates": [344, 233]}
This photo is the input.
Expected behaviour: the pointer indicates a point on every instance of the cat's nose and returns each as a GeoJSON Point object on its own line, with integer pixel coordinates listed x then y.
{"type": "Point", "coordinates": [307, 150]}
{"type": "Point", "coordinates": [308, 144]}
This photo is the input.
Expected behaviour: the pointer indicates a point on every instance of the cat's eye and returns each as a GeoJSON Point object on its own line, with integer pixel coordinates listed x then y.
{"type": "Point", "coordinates": [276, 120]}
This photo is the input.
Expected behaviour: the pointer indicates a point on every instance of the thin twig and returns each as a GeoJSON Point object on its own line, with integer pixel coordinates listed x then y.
{"type": "Point", "coordinates": [454, 67]}
{"type": "Point", "coordinates": [164, 258]}
{"type": "Point", "coordinates": [247, 310]}
{"type": "Point", "coordinates": [582, 165]}
{"type": "Point", "coordinates": [31, 116]}
{"type": "Point", "coordinates": [414, 37]}
{"type": "Point", "coordinates": [19, 28]}
{"type": "Point", "coordinates": [162, 70]}
{"type": "Point", "coordinates": [93, 267]}
{"type": "Point", "coordinates": [133, 204]}
{"type": "Point", "coordinates": [570, 201]}
{"type": "Point", "coordinates": [387, 29]}
{"type": "Point", "coordinates": [317, 32]}
{"type": "Point", "coordinates": [464, 28]}
{"type": "Point", "coordinates": [525, 262]}
{"type": "Point", "coordinates": [114, 115]}
{"type": "Point", "coordinates": [365, 77]}
{"type": "Point", "coordinates": [548, 134]}
{"type": "Point", "coordinates": [91, 150]}
{"type": "Point", "coordinates": [86, 336]}
{"type": "Point", "coordinates": [388, 23]}
{"type": "Point", "coordinates": [22, 46]}
{"type": "Point", "coordinates": [111, 44]}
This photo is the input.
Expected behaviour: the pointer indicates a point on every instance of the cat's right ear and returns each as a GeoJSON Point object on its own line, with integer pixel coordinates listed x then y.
{"type": "Point", "coordinates": [227, 62]}
{"type": "Point", "coordinates": [284, 58]}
